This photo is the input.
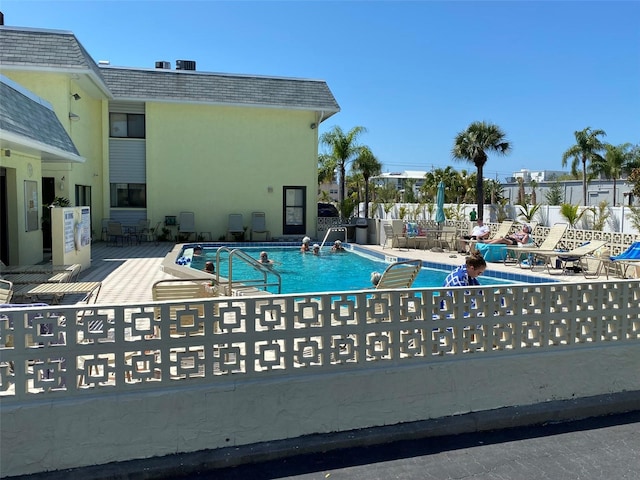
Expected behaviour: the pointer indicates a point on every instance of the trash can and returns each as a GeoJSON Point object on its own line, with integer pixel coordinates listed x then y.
{"type": "Point", "coordinates": [361, 231]}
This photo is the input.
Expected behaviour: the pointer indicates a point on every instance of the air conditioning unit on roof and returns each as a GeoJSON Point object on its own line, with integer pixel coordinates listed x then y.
{"type": "Point", "coordinates": [185, 65]}
{"type": "Point", "coordinates": [163, 65]}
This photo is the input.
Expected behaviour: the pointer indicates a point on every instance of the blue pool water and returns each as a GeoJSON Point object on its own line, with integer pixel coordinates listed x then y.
{"type": "Point", "coordinates": [327, 272]}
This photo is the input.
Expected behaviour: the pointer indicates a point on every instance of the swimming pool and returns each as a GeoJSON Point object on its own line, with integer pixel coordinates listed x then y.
{"type": "Point", "coordinates": [327, 272]}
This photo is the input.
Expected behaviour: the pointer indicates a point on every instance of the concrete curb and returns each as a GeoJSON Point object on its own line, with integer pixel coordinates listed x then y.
{"type": "Point", "coordinates": [175, 466]}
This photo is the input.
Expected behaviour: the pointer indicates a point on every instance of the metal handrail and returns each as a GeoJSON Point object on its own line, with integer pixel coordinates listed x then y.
{"type": "Point", "coordinates": [334, 229]}
{"type": "Point", "coordinates": [263, 269]}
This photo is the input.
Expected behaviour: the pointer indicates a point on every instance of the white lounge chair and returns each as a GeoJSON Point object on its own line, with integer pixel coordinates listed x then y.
{"type": "Point", "coordinates": [235, 227]}
{"type": "Point", "coordinates": [575, 256]}
{"type": "Point", "coordinates": [186, 225]}
{"type": "Point", "coordinates": [551, 241]}
{"type": "Point", "coordinates": [400, 274]}
{"type": "Point", "coordinates": [259, 224]}
{"type": "Point", "coordinates": [6, 291]}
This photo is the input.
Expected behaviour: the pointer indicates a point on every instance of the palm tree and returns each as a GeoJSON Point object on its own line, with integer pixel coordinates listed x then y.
{"type": "Point", "coordinates": [617, 160]}
{"type": "Point", "coordinates": [473, 144]}
{"type": "Point", "coordinates": [587, 148]}
{"type": "Point", "coordinates": [534, 197]}
{"type": "Point", "coordinates": [343, 148]}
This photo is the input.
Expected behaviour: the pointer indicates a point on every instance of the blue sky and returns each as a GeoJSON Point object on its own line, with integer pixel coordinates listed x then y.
{"type": "Point", "coordinates": [414, 74]}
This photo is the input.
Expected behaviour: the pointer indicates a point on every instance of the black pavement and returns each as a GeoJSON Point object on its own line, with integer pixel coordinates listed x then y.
{"type": "Point", "coordinates": [593, 449]}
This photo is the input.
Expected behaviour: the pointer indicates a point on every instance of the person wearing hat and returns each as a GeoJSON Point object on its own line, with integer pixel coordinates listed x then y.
{"type": "Point", "coordinates": [305, 244]}
{"type": "Point", "coordinates": [337, 246]}
{"type": "Point", "coordinates": [316, 249]}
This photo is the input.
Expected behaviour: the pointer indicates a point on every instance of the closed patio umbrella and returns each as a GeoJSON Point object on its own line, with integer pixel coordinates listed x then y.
{"type": "Point", "coordinates": [440, 217]}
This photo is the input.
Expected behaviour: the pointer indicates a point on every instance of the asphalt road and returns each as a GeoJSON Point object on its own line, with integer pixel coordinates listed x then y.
{"type": "Point", "coordinates": [597, 448]}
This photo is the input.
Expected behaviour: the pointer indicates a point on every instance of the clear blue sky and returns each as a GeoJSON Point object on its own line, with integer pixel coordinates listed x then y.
{"type": "Point", "coordinates": [414, 74]}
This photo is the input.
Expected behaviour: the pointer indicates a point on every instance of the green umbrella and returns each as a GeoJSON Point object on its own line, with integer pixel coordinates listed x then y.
{"type": "Point", "coordinates": [440, 217]}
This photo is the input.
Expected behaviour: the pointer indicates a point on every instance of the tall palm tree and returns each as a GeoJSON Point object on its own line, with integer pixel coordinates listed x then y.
{"type": "Point", "coordinates": [326, 168]}
{"type": "Point", "coordinates": [344, 147]}
{"type": "Point", "coordinates": [587, 148]}
{"type": "Point", "coordinates": [617, 161]}
{"type": "Point", "coordinates": [368, 165]}
{"type": "Point", "coordinates": [473, 144]}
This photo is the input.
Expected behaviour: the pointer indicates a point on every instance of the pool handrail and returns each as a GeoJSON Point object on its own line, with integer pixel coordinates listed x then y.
{"type": "Point", "coordinates": [334, 229]}
{"type": "Point", "coordinates": [264, 269]}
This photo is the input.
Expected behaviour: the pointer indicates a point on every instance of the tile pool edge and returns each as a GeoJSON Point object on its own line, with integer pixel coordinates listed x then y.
{"type": "Point", "coordinates": [169, 265]}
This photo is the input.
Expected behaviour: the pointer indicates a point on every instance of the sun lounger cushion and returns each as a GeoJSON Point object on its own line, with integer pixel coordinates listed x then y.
{"type": "Point", "coordinates": [492, 252]}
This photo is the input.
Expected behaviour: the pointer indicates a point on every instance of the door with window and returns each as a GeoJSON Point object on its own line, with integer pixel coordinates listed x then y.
{"type": "Point", "coordinates": [294, 210]}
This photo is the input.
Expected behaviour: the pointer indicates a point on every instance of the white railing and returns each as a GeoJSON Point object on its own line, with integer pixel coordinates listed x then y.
{"type": "Point", "coordinates": [115, 349]}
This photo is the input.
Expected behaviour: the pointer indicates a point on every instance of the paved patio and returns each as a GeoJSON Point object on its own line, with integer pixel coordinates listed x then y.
{"type": "Point", "coordinates": [128, 272]}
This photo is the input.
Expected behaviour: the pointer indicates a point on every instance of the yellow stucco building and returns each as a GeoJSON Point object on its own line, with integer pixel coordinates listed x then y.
{"type": "Point", "coordinates": [149, 143]}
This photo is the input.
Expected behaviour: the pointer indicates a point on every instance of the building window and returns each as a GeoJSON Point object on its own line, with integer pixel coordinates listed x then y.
{"type": "Point", "coordinates": [129, 195]}
{"type": "Point", "coordinates": [126, 125]}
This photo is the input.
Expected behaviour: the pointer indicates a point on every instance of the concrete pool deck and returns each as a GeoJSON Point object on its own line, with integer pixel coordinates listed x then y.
{"type": "Point", "coordinates": [127, 273]}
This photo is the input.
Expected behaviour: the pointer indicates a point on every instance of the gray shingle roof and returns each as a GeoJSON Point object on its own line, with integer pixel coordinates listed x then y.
{"type": "Point", "coordinates": [51, 49]}
{"type": "Point", "coordinates": [30, 122]}
{"type": "Point", "coordinates": [60, 50]}
{"type": "Point", "coordinates": [215, 88]}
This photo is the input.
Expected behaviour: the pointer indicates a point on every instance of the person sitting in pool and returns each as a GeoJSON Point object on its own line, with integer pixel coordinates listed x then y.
{"type": "Point", "coordinates": [467, 274]}
{"type": "Point", "coordinates": [518, 238]}
{"type": "Point", "coordinates": [209, 267]}
{"type": "Point", "coordinates": [264, 258]}
{"type": "Point", "coordinates": [337, 246]}
{"type": "Point", "coordinates": [316, 249]}
{"type": "Point", "coordinates": [305, 244]}
{"type": "Point", "coordinates": [197, 250]}
{"type": "Point", "coordinates": [375, 278]}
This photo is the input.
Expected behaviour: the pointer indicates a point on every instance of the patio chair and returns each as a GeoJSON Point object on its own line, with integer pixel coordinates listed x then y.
{"type": "Point", "coordinates": [551, 241]}
{"type": "Point", "coordinates": [6, 291]}
{"type": "Point", "coordinates": [152, 233]}
{"type": "Point", "coordinates": [259, 225]}
{"type": "Point", "coordinates": [186, 225]}
{"type": "Point", "coordinates": [576, 256]}
{"type": "Point", "coordinates": [235, 227]}
{"type": "Point", "coordinates": [116, 233]}
{"type": "Point", "coordinates": [396, 240]}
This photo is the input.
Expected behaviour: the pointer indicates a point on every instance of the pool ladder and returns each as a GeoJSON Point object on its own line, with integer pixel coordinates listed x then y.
{"type": "Point", "coordinates": [334, 229]}
{"type": "Point", "coordinates": [268, 276]}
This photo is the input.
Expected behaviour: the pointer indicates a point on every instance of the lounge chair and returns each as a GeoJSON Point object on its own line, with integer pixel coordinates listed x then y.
{"type": "Point", "coordinates": [400, 274]}
{"type": "Point", "coordinates": [186, 225]}
{"type": "Point", "coordinates": [551, 241]}
{"type": "Point", "coordinates": [259, 225]}
{"type": "Point", "coordinates": [6, 291]}
{"type": "Point", "coordinates": [575, 257]}
{"type": "Point", "coordinates": [189, 316]}
{"type": "Point", "coordinates": [235, 227]}
{"type": "Point", "coordinates": [622, 262]}
{"type": "Point", "coordinates": [502, 231]}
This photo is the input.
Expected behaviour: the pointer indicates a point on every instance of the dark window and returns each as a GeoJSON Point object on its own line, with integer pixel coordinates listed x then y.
{"type": "Point", "coordinates": [129, 195]}
{"type": "Point", "coordinates": [295, 206]}
{"type": "Point", "coordinates": [126, 125]}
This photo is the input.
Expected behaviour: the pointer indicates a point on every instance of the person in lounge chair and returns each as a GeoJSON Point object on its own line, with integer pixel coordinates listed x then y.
{"type": "Point", "coordinates": [479, 232]}
{"type": "Point", "coordinates": [518, 238]}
